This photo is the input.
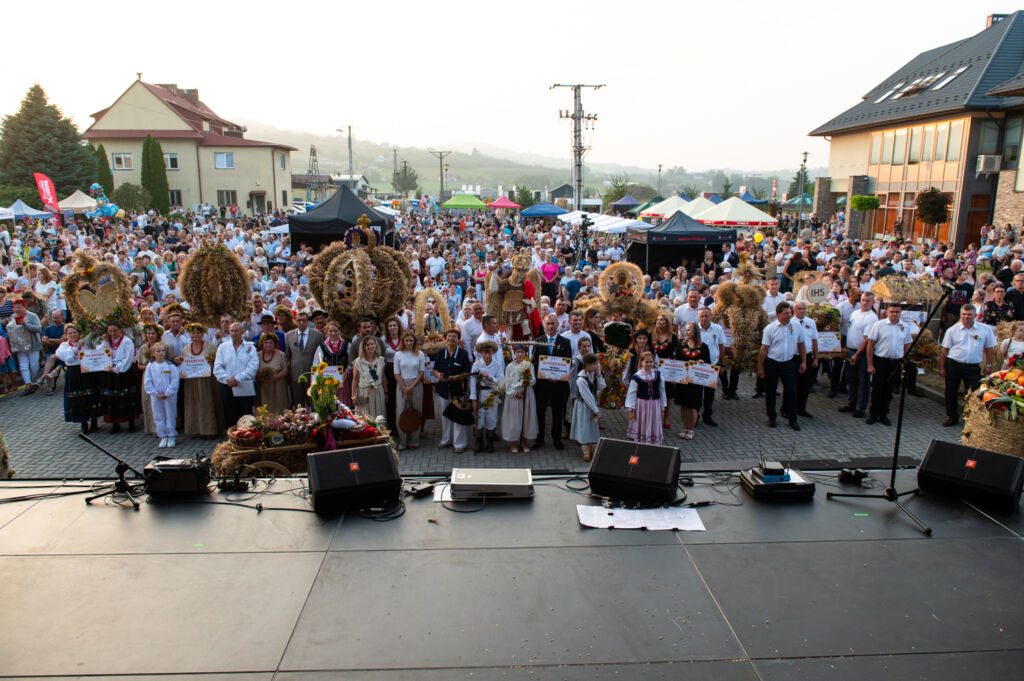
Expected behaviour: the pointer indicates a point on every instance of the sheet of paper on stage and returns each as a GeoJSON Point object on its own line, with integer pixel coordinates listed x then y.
{"type": "Point", "coordinates": [634, 519]}
{"type": "Point", "coordinates": [443, 492]}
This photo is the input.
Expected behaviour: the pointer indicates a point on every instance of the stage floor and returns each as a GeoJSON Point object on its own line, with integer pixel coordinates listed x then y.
{"type": "Point", "coordinates": [843, 589]}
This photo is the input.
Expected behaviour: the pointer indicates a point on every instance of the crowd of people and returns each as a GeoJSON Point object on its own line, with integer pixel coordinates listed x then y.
{"type": "Point", "coordinates": [383, 370]}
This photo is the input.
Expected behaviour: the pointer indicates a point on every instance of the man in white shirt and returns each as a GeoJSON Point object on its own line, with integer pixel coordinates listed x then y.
{"type": "Point", "coordinates": [490, 332]}
{"type": "Point", "coordinates": [472, 328]}
{"type": "Point", "coordinates": [846, 307]}
{"type": "Point", "coordinates": [235, 369]}
{"type": "Point", "coordinates": [772, 300]}
{"type": "Point", "coordinates": [805, 380]}
{"type": "Point", "coordinates": [887, 342]}
{"type": "Point", "coordinates": [575, 331]}
{"type": "Point", "coordinates": [714, 336]}
{"type": "Point", "coordinates": [435, 264]}
{"type": "Point", "coordinates": [964, 346]}
{"type": "Point", "coordinates": [857, 381]}
{"type": "Point", "coordinates": [688, 312]}
{"type": "Point", "coordinates": [781, 342]}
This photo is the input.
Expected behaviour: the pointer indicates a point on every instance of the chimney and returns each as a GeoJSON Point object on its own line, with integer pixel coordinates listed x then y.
{"type": "Point", "coordinates": [994, 19]}
{"type": "Point", "coordinates": [191, 95]}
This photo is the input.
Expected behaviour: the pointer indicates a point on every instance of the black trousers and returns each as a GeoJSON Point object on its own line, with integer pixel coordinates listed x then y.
{"type": "Point", "coordinates": [235, 407]}
{"type": "Point", "coordinates": [887, 375]}
{"type": "Point", "coordinates": [551, 394]}
{"type": "Point", "coordinates": [773, 373]}
{"type": "Point", "coordinates": [956, 372]}
{"type": "Point", "coordinates": [804, 382]}
{"type": "Point", "coordinates": [730, 381]}
{"type": "Point", "coordinates": [707, 402]}
{"type": "Point", "coordinates": [836, 368]}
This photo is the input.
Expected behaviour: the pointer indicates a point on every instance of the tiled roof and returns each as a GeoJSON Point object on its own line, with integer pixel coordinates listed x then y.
{"type": "Point", "coordinates": [1013, 87]}
{"type": "Point", "coordinates": [990, 57]}
{"type": "Point", "coordinates": [211, 139]}
{"type": "Point", "coordinates": [140, 134]}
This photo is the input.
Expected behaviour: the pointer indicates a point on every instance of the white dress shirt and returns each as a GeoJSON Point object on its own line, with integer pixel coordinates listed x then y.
{"type": "Point", "coordinates": [968, 346]}
{"type": "Point", "coordinates": [782, 340]}
{"type": "Point", "coordinates": [810, 329]}
{"type": "Point", "coordinates": [771, 302]}
{"type": "Point", "coordinates": [240, 364]}
{"type": "Point", "coordinates": [714, 338]}
{"type": "Point", "coordinates": [860, 322]}
{"type": "Point", "coordinates": [889, 338]}
{"type": "Point", "coordinates": [686, 314]}
{"type": "Point", "coordinates": [123, 357]}
{"type": "Point", "coordinates": [175, 344]}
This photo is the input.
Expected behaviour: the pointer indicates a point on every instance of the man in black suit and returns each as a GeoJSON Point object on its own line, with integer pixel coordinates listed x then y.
{"type": "Point", "coordinates": [551, 393]}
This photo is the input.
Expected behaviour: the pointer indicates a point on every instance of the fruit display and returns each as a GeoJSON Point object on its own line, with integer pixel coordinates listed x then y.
{"type": "Point", "coordinates": [274, 430]}
{"type": "Point", "coordinates": [1004, 390]}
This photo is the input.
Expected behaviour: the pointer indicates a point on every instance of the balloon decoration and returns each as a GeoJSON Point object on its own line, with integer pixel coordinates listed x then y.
{"type": "Point", "coordinates": [758, 238]}
{"type": "Point", "coordinates": [104, 208]}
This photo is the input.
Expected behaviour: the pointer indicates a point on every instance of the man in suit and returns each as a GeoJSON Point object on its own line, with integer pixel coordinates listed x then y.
{"type": "Point", "coordinates": [300, 346]}
{"type": "Point", "coordinates": [551, 393]}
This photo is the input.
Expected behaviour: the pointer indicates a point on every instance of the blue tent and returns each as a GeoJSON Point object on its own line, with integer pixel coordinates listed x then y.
{"type": "Point", "coordinates": [542, 210]}
{"type": "Point", "coordinates": [23, 210]}
{"type": "Point", "coordinates": [684, 196]}
{"type": "Point", "coordinates": [747, 197]}
{"type": "Point", "coordinates": [625, 203]}
{"type": "Point", "coordinates": [715, 198]}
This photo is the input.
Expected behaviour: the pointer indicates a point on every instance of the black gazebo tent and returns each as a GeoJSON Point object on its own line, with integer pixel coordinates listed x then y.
{"type": "Point", "coordinates": [684, 236]}
{"type": "Point", "coordinates": [330, 220]}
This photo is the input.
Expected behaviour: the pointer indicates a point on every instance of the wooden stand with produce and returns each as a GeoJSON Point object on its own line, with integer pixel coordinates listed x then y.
{"type": "Point", "coordinates": [994, 413]}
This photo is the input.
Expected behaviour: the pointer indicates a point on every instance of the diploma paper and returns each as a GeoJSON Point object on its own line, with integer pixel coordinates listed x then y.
{"type": "Point", "coordinates": [704, 374]}
{"type": "Point", "coordinates": [673, 370]}
{"type": "Point", "coordinates": [194, 367]}
{"type": "Point", "coordinates": [828, 341]}
{"type": "Point", "coordinates": [728, 338]}
{"type": "Point", "coordinates": [553, 368]}
{"type": "Point", "coordinates": [96, 359]}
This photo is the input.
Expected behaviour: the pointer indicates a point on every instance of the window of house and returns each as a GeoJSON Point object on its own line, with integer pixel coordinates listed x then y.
{"type": "Point", "coordinates": [170, 161]}
{"type": "Point", "coordinates": [282, 161]}
{"type": "Point", "coordinates": [174, 197]}
{"type": "Point", "coordinates": [876, 147]}
{"type": "Point", "coordinates": [206, 126]}
{"type": "Point", "coordinates": [988, 138]}
{"type": "Point", "coordinates": [899, 149]}
{"type": "Point", "coordinates": [227, 197]}
{"type": "Point", "coordinates": [941, 137]}
{"type": "Point", "coordinates": [929, 142]}
{"type": "Point", "coordinates": [886, 95]}
{"type": "Point", "coordinates": [224, 159]}
{"type": "Point", "coordinates": [1011, 145]}
{"type": "Point", "coordinates": [949, 79]}
{"type": "Point", "coordinates": [122, 162]}
{"type": "Point", "coordinates": [887, 148]}
{"type": "Point", "coordinates": [284, 197]}
{"type": "Point", "coordinates": [956, 134]}
{"type": "Point", "coordinates": [914, 154]}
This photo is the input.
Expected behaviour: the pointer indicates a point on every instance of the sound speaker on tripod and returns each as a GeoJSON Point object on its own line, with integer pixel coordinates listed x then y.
{"type": "Point", "coordinates": [989, 478]}
{"type": "Point", "coordinates": [634, 472]}
{"type": "Point", "coordinates": [352, 479]}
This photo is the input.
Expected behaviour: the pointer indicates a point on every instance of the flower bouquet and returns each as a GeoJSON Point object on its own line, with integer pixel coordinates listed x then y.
{"type": "Point", "coordinates": [321, 390]}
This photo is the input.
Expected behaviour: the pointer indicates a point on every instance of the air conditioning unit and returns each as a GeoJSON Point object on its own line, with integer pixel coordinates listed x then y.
{"type": "Point", "coordinates": [988, 163]}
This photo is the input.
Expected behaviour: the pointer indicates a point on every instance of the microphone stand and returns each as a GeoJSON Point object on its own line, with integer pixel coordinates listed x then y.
{"type": "Point", "coordinates": [120, 486]}
{"type": "Point", "coordinates": [890, 494]}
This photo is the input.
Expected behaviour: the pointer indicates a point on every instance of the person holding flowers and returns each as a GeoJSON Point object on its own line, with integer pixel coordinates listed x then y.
{"type": "Point", "coordinates": [519, 413]}
{"type": "Point", "coordinates": [204, 412]}
{"type": "Point", "coordinates": [368, 389]}
{"type": "Point", "coordinates": [271, 388]}
{"type": "Point", "coordinates": [333, 353]}
{"type": "Point", "coordinates": [485, 376]}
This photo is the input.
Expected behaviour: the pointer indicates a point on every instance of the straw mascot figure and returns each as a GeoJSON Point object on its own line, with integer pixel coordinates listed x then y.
{"type": "Point", "coordinates": [515, 299]}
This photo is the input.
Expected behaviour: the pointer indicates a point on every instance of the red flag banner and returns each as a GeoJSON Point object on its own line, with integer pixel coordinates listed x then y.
{"type": "Point", "coordinates": [48, 194]}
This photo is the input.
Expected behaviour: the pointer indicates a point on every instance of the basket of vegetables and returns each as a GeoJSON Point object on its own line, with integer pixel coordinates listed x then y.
{"type": "Point", "coordinates": [249, 437]}
{"type": "Point", "coordinates": [994, 414]}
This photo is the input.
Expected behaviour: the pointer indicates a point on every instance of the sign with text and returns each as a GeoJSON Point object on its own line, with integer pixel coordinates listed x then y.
{"type": "Point", "coordinates": [553, 368]}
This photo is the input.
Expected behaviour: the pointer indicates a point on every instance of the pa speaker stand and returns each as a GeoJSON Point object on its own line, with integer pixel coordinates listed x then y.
{"type": "Point", "coordinates": [891, 494]}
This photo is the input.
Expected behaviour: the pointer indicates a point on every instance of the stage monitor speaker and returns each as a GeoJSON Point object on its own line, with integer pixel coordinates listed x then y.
{"type": "Point", "coordinates": [988, 478]}
{"type": "Point", "coordinates": [352, 479]}
{"type": "Point", "coordinates": [634, 472]}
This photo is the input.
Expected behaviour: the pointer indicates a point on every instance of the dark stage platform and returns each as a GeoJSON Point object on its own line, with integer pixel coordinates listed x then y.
{"type": "Point", "coordinates": [844, 589]}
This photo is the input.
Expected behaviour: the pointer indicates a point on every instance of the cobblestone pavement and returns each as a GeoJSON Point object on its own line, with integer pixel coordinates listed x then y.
{"type": "Point", "coordinates": [43, 446]}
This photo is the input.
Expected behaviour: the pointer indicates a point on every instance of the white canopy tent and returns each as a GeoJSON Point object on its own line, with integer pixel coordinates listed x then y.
{"type": "Point", "coordinates": [735, 212]}
{"type": "Point", "coordinates": [666, 208]}
{"type": "Point", "coordinates": [605, 224]}
{"type": "Point", "coordinates": [78, 202]}
{"type": "Point", "coordinates": [697, 206]}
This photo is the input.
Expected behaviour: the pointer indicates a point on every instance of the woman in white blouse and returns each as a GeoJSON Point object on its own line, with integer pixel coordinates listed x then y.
{"type": "Point", "coordinates": [81, 398]}
{"type": "Point", "coordinates": [409, 367]}
{"type": "Point", "coordinates": [119, 387]}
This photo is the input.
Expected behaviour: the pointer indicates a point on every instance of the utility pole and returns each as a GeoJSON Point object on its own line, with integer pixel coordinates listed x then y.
{"type": "Point", "coordinates": [441, 155]}
{"type": "Point", "coordinates": [659, 179]}
{"type": "Point", "coordinates": [394, 174]}
{"type": "Point", "coordinates": [578, 120]}
{"type": "Point", "coordinates": [350, 172]}
{"type": "Point", "coordinates": [801, 190]}
{"type": "Point", "coordinates": [405, 174]}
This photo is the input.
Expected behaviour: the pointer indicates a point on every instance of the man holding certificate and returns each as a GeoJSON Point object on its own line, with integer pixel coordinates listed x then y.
{"type": "Point", "coordinates": [235, 368]}
{"type": "Point", "coordinates": [551, 393]}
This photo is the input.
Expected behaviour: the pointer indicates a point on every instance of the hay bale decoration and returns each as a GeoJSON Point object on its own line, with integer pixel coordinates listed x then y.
{"type": "Point", "coordinates": [738, 308]}
{"type": "Point", "coordinates": [215, 282]}
{"type": "Point", "coordinates": [98, 293]}
{"type": "Point", "coordinates": [432, 339]}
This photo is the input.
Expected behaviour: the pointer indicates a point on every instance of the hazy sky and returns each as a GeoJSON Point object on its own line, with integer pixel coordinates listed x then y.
{"type": "Point", "coordinates": [711, 85]}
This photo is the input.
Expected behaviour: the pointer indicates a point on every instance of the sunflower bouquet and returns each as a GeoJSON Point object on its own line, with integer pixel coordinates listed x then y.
{"type": "Point", "coordinates": [321, 390]}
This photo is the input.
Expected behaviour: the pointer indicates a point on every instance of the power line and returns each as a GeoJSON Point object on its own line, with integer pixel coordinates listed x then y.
{"type": "Point", "coordinates": [579, 118]}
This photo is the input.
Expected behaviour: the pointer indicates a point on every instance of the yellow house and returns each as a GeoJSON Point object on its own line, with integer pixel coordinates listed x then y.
{"type": "Point", "coordinates": [208, 159]}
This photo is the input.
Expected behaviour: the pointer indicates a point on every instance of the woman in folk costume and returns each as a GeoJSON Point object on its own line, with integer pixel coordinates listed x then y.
{"type": "Point", "coordinates": [271, 386]}
{"type": "Point", "coordinates": [204, 410]}
{"type": "Point", "coordinates": [368, 389]}
{"type": "Point", "coordinates": [119, 386]}
{"type": "Point", "coordinates": [645, 400]}
{"type": "Point", "coordinates": [392, 342]}
{"type": "Point", "coordinates": [451, 369]}
{"type": "Point", "coordinates": [585, 410]}
{"type": "Point", "coordinates": [151, 335]}
{"type": "Point", "coordinates": [519, 413]}
{"type": "Point", "coordinates": [161, 385]}
{"type": "Point", "coordinates": [486, 374]}
{"type": "Point", "coordinates": [81, 398]}
{"type": "Point", "coordinates": [334, 353]}
{"type": "Point", "coordinates": [689, 395]}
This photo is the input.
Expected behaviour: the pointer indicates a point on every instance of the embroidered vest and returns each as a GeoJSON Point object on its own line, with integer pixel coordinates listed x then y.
{"type": "Point", "coordinates": [648, 389]}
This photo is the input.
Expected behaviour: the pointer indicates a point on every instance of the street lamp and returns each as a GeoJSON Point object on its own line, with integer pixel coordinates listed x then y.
{"type": "Point", "coordinates": [659, 179]}
{"type": "Point", "coordinates": [349, 149]}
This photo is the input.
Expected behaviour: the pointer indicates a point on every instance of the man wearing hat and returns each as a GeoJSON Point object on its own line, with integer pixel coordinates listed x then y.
{"type": "Point", "coordinates": [319, 319]}
{"type": "Point", "coordinates": [267, 323]}
{"type": "Point", "coordinates": [486, 373]}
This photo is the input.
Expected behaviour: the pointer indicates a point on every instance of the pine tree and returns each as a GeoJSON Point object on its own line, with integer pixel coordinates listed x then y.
{"type": "Point", "coordinates": [40, 139]}
{"type": "Point", "coordinates": [103, 174]}
{"type": "Point", "coordinates": [154, 175]}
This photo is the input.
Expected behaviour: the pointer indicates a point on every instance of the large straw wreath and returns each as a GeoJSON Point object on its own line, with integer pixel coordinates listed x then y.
{"type": "Point", "coordinates": [621, 291]}
{"type": "Point", "coordinates": [107, 298]}
{"type": "Point", "coordinates": [215, 282]}
{"type": "Point", "coordinates": [431, 341]}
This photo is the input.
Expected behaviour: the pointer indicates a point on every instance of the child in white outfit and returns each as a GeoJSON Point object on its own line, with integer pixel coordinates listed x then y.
{"type": "Point", "coordinates": [161, 384]}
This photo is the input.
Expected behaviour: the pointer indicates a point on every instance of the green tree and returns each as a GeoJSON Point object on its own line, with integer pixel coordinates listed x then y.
{"type": "Point", "coordinates": [40, 139]}
{"type": "Point", "coordinates": [808, 186]}
{"type": "Point", "coordinates": [103, 175]}
{"type": "Point", "coordinates": [641, 192]}
{"type": "Point", "coordinates": [523, 196]}
{"type": "Point", "coordinates": [726, 189]}
{"type": "Point", "coordinates": [131, 197]}
{"type": "Point", "coordinates": [154, 175]}
{"type": "Point", "coordinates": [406, 180]}
{"type": "Point", "coordinates": [9, 193]}
{"type": "Point", "coordinates": [933, 207]}
{"type": "Point", "coordinates": [759, 193]}
{"type": "Point", "coordinates": [864, 203]}
{"type": "Point", "coordinates": [691, 190]}
{"type": "Point", "coordinates": [618, 187]}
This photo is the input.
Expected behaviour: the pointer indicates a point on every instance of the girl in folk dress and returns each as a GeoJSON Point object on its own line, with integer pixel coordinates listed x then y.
{"type": "Point", "coordinates": [645, 400]}
{"type": "Point", "coordinates": [519, 413]}
{"type": "Point", "coordinates": [486, 376]}
{"type": "Point", "coordinates": [204, 409]}
{"type": "Point", "coordinates": [392, 342]}
{"type": "Point", "coordinates": [368, 387]}
{"type": "Point", "coordinates": [585, 410]}
{"type": "Point", "coordinates": [272, 389]}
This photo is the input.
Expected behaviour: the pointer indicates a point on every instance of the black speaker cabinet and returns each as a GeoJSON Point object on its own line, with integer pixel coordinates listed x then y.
{"type": "Point", "coordinates": [985, 477]}
{"type": "Point", "coordinates": [634, 472]}
{"type": "Point", "coordinates": [351, 479]}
